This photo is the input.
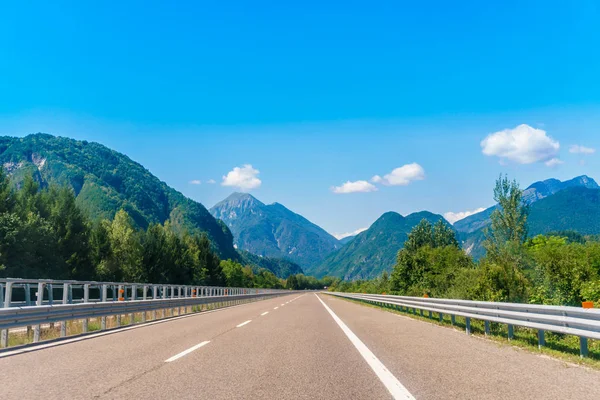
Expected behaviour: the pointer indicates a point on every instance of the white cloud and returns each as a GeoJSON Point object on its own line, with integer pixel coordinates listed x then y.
{"type": "Point", "coordinates": [401, 176]}
{"type": "Point", "coordinates": [339, 236]}
{"type": "Point", "coordinates": [554, 162]}
{"type": "Point", "coordinates": [523, 145]}
{"type": "Point", "coordinates": [211, 181]}
{"type": "Point", "coordinates": [245, 178]}
{"type": "Point", "coordinates": [195, 182]}
{"type": "Point", "coordinates": [354, 187]}
{"type": "Point", "coordinates": [576, 149]}
{"type": "Point", "coordinates": [452, 217]}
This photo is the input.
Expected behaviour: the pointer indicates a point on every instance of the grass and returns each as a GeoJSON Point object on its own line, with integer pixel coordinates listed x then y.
{"type": "Point", "coordinates": [75, 327]}
{"type": "Point", "coordinates": [560, 346]}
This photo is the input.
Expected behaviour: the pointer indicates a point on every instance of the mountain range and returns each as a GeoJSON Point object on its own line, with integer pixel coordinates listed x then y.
{"type": "Point", "coordinates": [270, 236]}
{"type": "Point", "coordinates": [274, 231]}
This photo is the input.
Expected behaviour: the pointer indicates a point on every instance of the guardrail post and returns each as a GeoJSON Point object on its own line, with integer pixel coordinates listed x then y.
{"type": "Point", "coordinates": [103, 295]}
{"type": "Point", "coordinates": [180, 295]}
{"type": "Point", "coordinates": [50, 299]}
{"type": "Point", "coordinates": [453, 319]}
{"type": "Point", "coordinates": [28, 294]}
{"type": "Point", "coordinates": [133, 297]}
{"type": "Point", "coordinates": [441, 315]}
{"type": "Point", "coordinates": [65, 300]}
{"type": "Point", "coordinates": [583, 347]}
{"type": "Point", "coordinates": [172, 296]}
{"type": "Point", "coordinates": [541, 339]}
{"type": "Point", "coordinates": [486, 325]}
{"type": "Point", "coordinates": [6, 304]}
{"type": "Point", "coordinates": [50, 294]}
{"type": "Point", "coordinates": [120, 291]}
{"type": "Point", "coordinates": [154, 296]}
{"type": "Point", "coordinates": [164, 296]}
{"type": "Point", "coordinates": [86, 299]}
{"type": "Point", "coordinates": [28, 303]}
{"type": "Point", "coordinates": [430, 315]}
{"type": "Point", "coordinates": [468, 325]}
{"type": "Point", "coordinates": [144, 291]}
{"type": "Point", "coordinates": [511, 332]}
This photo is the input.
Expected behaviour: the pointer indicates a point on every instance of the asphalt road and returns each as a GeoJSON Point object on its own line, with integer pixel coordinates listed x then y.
{"type": "Point", "coordinates": [291, 347]}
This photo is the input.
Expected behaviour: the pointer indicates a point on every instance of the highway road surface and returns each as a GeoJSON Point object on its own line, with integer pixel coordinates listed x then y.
{"type": "Point", "coordinates": [300, 346]}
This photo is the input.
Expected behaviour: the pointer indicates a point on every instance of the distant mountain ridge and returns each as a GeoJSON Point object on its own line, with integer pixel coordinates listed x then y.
{"type": "Point", "coordinates": [535, 192]}
{"type": "Point", "coordinates": [373, 251]}
{"type": "Point", "coordinates": [274, 231]}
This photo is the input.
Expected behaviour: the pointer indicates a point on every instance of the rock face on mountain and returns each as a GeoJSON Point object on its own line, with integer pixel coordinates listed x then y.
{"type": "Point", "coordinates": [373, 251]}
{"type": "Point", "coordinates": [106, 181]}
{"type": "Point", "coordinates": [535, 192]}
{"type": "Point", "coordinates": [274, 231]}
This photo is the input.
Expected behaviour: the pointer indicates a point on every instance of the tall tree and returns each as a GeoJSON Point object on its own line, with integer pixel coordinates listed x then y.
{"type": "Point", "coordinates": [443, 235]}
{"type": "Point", "coordinates": [73, 233]}
{"type": "Point", "coordinates": [123, 261]}
{"type": "Point", "coordinates": [505, 261]}
{"type": "Point", "coordinates": [7, 195]}
{"type": "Point", "coordinates": [420, 235]}
{"type": "Point", "coordinates": [509, 219]}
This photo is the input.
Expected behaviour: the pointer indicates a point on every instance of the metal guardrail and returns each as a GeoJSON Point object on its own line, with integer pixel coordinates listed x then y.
{"type": "Point", "coordinates": [581, 322]}
{"type": "Point", "coordinates": [33, 302]}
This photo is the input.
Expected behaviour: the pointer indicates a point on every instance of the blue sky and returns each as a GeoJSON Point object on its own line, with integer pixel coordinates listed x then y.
{"type": "Point", "coordinates": [315, 95]}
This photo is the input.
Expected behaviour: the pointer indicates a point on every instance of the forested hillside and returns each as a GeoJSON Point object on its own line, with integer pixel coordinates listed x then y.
{"type": "Point", "coordinates": [105, 181]}
{"type": "Point", "coordinates": [373, 251]}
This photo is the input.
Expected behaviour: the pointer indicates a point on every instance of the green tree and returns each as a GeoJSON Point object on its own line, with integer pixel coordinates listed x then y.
{"type": "Point", "coordinates": [421, 235]}
{"type": "Point", "coordinates": [125, 256]}
{"type": "Point", "coordinates": [73, 232]}
{"type": "Point", "coordinates": [562, 270]}
{"type": "Point", "coordinates": [7, 195]}
{"type": "Point", "coordinates": [505, 261]}
{"type": "Point", "coordinates": [234, 273]}
{"type": "Point", "coordinates": [509, 219]}
{"type": "Point", "coordinates": [443, 235]}
{"type": "Point", "coordinates": [207, 262]}
{"type": "Point", "coordinates": [292, 283]}
{"type": "Point", "coordinates": [429, 261]}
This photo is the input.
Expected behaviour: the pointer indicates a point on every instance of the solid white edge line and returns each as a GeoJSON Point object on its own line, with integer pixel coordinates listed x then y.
{"type": "Point", "coordinates": [243, 323]}
{"type": "Point", "coordinates": [391, 383]}
{"type": "Point", "coordinates": [188, 351]}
